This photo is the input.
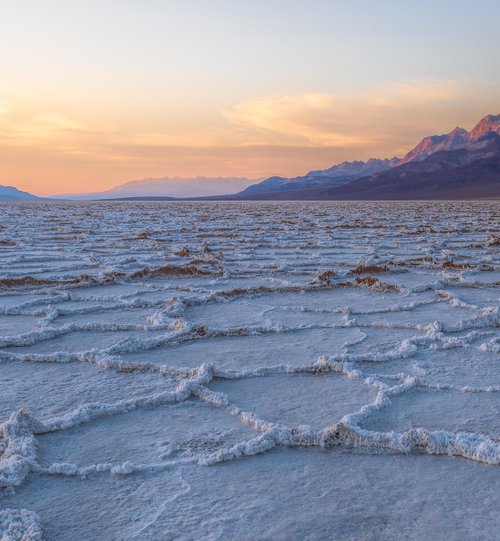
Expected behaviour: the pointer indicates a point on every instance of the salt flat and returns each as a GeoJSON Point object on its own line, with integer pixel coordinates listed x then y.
{"type": "Point", "coordinates": [250, 370]}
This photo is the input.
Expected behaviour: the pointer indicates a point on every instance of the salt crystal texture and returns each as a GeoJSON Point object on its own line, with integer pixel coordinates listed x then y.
{"type": "Point", "coordinates": [149, 350]}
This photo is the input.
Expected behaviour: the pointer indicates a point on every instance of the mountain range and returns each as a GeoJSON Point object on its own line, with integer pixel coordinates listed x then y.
{"type": "Point", "coordinates": [403, 177]}
{"type": "Point", "coordinates": [337, 175]}
{"type": "Point", "coordinates": [464, 173]}
{"type": "Point", "coordinates": [458, 165]}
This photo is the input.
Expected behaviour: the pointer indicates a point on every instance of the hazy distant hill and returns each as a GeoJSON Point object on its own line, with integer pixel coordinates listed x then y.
{"type": "Point", "coordinates": [169, 187]}
{"type": "Point", "coordinates": [10, 193]}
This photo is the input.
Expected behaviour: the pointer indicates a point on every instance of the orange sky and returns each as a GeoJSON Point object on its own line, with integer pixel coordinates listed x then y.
{"type": "Point", "coordinates": [48, 149]}
{"type": "Point", "coordinates": [102, 93]}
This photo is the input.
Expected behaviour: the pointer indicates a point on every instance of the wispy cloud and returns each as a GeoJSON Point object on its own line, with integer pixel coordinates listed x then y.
{"type": "Point", "coordinates": [28, 123]}
{"type": "Point", "coordinates": [345, 120]}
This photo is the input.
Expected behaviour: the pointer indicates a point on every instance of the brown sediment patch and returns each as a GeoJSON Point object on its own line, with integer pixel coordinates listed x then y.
{"type": "Point", "coordinates": [184, 252]}
{"type": "Point", "coordinates": [200, 261]}
{"type": "Point", "coordinates": [344, 284]}
{"type": "Point", "coordinates": [26, 281]}
{"type": "Point", "coordinates": [259, 290]}
{"type": "Point", "coordinates": [423, 259]}
{"type": "Point", "coordinates": [200, 330]}
{"type": "Point", "coordinates": [239, 331]}
{"type": "Point", "coordinates": [325, 277]}
{"type": "Point", "coordinates": [370, 269]}
{"type": "Point", "coordinates": [170, 270]}
{"type": "Point", "coordinates": [375, 284]}
{"type": "Point", "coordinates": [493, 240]}
{"type": "Point", "coordinates": [83, 279]}
{"type": "Point", "coordinates": [324, 281]}
{"type": "Point", "coordinates": [319, 369]}
{"type": "Point", "coordinates": [456, 266]}
{"type": "Point", "coordinates": [111, 277]}
{"type": "Point", "coordinates": [473, 246]}
{"type": "Point", "coordinates": [443, 295]}
{"type": "Point", "coordinates": [412, 262]}
{"type": "Point", "coordinates": [142, 236]}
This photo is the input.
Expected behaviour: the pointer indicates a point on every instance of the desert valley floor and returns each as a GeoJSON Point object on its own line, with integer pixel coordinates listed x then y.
{"type": "Point", "coordinates": [250, 371]}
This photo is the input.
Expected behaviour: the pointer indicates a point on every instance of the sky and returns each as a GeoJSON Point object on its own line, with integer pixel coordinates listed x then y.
{"type": "Point", "coordinates": [97, 93]}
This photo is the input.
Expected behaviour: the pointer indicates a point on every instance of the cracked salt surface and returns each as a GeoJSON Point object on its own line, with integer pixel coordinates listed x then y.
{"type": "Point", "coordinates": [336, 364]}
{"type": "Point", "coordinates": [252, 351]}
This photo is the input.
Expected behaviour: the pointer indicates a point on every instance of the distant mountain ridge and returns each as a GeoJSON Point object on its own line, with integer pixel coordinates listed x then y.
{"type": "Point", "coordinates": [458, 138]}
{"type": "Point", "coordinates": [470, 172]}
{"type": "Point", "coordinates": [348, 172]}
{"type": "Point", "coordinates": [460, 164]}
{"type": "Point", "coordinates": [488, 124]}
{"type": "Point", "coordinates": [11, 193]}
{"type": "Point", "coordinates": [337, 175]}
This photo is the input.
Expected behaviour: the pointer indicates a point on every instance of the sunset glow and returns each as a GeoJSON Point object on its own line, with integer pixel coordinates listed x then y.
{"type": "Point", "coordinates": [98, 93]}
